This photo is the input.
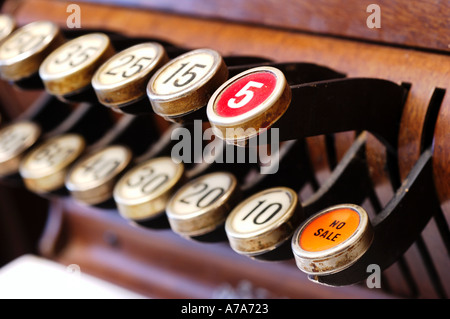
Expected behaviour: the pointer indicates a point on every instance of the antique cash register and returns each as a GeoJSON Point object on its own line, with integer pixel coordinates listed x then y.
{"type": "Point", "coordinates": [230, 149]}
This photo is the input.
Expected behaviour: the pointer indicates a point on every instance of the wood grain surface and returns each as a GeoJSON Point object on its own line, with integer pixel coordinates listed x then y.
{"type": "Point", "coordinates": [422, 24]}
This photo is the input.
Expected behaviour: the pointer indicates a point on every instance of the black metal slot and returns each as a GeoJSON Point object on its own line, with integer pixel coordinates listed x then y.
{"type": "Point", "coordinates": [431, 117]}
{"type": "Point", "coordinates": [89, 120]}
{"type": "Point", "coordinates": [426, 142]}
{"type": "Point", "coordinates": [431, 269]}
{"type": "Point", "coordinates": [331, 150]}
{"type": "Point", "coordinates": [349, 181]}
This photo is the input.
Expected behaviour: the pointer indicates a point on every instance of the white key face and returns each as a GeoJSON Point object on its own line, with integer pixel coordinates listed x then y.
{"type": "Point", "coordinates": [262, 212]}
{"type": "Point", "coordinates": [16, 137]}
{"type": "Point", "coordinates": [55, 153]}
{"type": "Point", "coordinates": [148, 179]}
{"type": "Point", "coordinates": [201, 194]}
{"type": "Point", "coordinates": [185, 73]}
{"type": "Point", "coordinates": [6, 26]}
{"type": "Point", "coordinates": [100, 166]}
{"type": "Point", "coordinates": [76, 54]}
{"type": "Point", "coordinates": [27, 40]}
{"type": "Point", "coordinates": [129, 64]}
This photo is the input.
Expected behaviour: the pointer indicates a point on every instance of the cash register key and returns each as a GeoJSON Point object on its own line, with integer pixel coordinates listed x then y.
{"type": "Point", "coordinates": [45, 167]}
{"type": "Point", "coordinates": [22, 53]}
{"type": "Point", "coordinates": [92, 178]}
{"type": "Point", "coordinates": [248, 103]}
{"type": "Point", "coordinates": [143, 192]}
{"type": "Point", "coordinates": [123, 78]}
{"type": "Point", "coordinates": [332, 239]}
{"type": "Point", "coordinates": [186, 83]}
{"type": "Point", "coordinates": [263, 222]}
{"type": "Point", "coordinates": [203, 204]}
{"type": "Point", "coordinates": [69, 69]}
{"type": "Point", "coordinates": [15, 140]}
{"type": "Point", "coordinates": [7, 26]}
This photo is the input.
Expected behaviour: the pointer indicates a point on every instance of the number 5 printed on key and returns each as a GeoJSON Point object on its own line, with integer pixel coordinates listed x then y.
{"type": "Point", "coordinates": [248, 103]}
{"type": "Point", "coordinates": [244, 91]}
{"type": "Point", "coordinates": [245, 94]}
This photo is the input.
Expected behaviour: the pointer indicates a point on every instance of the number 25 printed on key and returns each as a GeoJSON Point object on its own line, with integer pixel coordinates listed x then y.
{"type": "Point", "coordinates": [125, 70]}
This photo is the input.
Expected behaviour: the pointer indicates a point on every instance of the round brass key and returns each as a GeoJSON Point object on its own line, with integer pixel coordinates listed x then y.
{"type": "Point", "coordinates": [122, 79]}
{"type": "Point", "coordinates": [332, 239]}
{"type": "Point", "coordinates": [248, 103]}
{"type": "Point", "coordinates": [186, 83]}
{"type": "Point", "coordinates": [7, 26]}
{"type": "Point", "coordinates": [68, 70]}
{"type": "Point", "coordinates": [258, 99]}
{"type": "Point", "coordinates": [202, 205]}
{"type": "Point", "coordinates": [45, 167]}
{"type": "Point", "coordinates": [143, 192]}
{"type": "Point", "coordinates": [262, 225]}
{"type": "Point", "coordinates": [23, 51]}
{"type": "Point", "coordinates": [91, 180]}
{"type": "Point", "coordinates": [15, 140]}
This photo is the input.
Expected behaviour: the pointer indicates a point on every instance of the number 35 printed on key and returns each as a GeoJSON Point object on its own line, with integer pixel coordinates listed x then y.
{"type": "Point", "coordinates": [76, 53]}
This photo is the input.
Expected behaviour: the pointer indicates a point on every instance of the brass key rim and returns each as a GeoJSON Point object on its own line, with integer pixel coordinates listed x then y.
{"type": "Point", "coordinates": [193, 97]}
{"type": "Point", "coordinates": [147, 206]}
{"type": "Point", "coordinates": [132, 88]}
{"type": "Point", "coordinates": [238, 129]}
{"type": "Point", "coordinates": [339, 257]}
{"type": "Point", "coordinates": [75, 79]}
{"type": "Point", "coordinates": [27, 63]}
{"type": "Point", "coordinates": [51, 177]}
{"type": "Point", "coordinates": [10, 25]}
{"type": "Point", "coordinates": [203, 220]}
{"type": "Point", "coordinates": [97, 191]}
{"type": "Point", "coordinates": [10, 162]}
{"type": "Point", "coordinates": [269, 237]}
